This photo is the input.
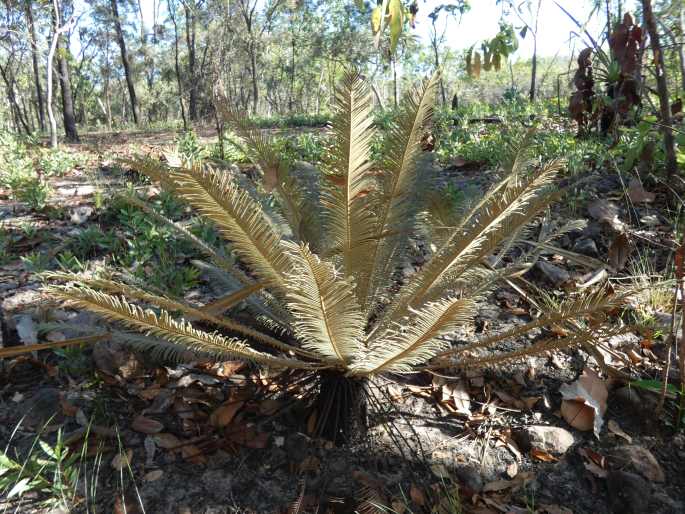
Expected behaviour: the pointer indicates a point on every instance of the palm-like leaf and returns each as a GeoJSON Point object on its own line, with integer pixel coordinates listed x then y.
{"type": "Point", "coordinates": [330, 272]}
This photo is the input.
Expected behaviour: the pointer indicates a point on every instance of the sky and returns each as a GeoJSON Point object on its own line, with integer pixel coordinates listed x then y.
{"type": "Point", "coordinates": [482, 22]}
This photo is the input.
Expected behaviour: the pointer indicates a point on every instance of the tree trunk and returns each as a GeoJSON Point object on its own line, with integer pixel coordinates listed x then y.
{"type": "Point", "coordinates": [10, 86]}
{"type": "Point", "coordinates": [190, 43]}
{"type": "Point", "coordinates": [395, 91]}
{"type": "Point", "coordinates": [67, 97]}
{"type": "Point", "coordinates": [681, 51]}
{"type": "Point", "coordinates": [534, 70]}
{"type": "Point", "coordinates": [34, 59]}
{"type": "Point", "coordinates": [177, 65]}
{"type": "Point", "coordinates": [662, 88]}
{"type": "Point", "coordinates": [124, 60]}
{"type": "Point", "coordinates": [436, 56]}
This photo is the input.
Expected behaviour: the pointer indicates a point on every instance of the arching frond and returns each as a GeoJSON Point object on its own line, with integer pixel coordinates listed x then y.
{"type": "Point", "coordinates": [399, 351]}
{"type": "Point", "coordinates": [350, 222]}
{"type": "Point", "coordinates": [514, 205]}
{"type": "Point", "coordinates": [397, 176]}
{"type": "Point", "coordinates": [163, 325]}
{"type": "Point", "coordinates": [327, 316]}
{"type": "Point", "coordinates": [238, 218]}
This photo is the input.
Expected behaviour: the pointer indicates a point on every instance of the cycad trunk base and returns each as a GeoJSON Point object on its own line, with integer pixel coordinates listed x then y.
{"type": "Point", "coordinates": [340, 411]}
{"type": "Point", "coordinates": [340, 311]}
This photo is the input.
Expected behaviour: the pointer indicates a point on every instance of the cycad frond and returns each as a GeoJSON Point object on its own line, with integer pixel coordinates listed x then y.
{"type": "Point", "coordinates": [591, 304]}
{"type": "Point", "coordinates": [327, 316]}
{"type": "Point", "coordinates": [189, 312]}
{"type": "Point", "coordinates": [350, 220]}
{"type": "Point", "coordinates": [399, 351]}
{"type": "Point", "coordinates": [163, 325]}
{"type": "Point", "coordinates": [397, 177]}
{"type": "Point", "coordinates": [257, 143]}
{"type": "Point", "coordinates": [238, 218]}
{"type": "Point", "coordinates": [517, 203]}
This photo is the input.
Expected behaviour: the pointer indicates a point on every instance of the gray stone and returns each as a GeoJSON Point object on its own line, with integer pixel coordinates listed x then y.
{"type": "Point", "coordinates": [554, 440]}
{"type": "Point", "coordinates": [638, 459]}
{"type": "Point", "coordinates": [556, 275]}
{"type": "Point", "coordinates": [44, 406]}
{"type": "Point", "coordinates": [663, 504]}
{"type": "Point", "coordinates": [470, 477]}
{"type": "Point", "coordinates": [586, 246]}
{"type": "Point", "coordinates": [628, 493]}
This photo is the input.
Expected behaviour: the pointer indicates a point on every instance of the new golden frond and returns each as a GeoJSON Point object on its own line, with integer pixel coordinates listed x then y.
{"type": "Point", "coordinates": [397, 177]}
{"type": "Point", "coordinates": [515, 205]}
{"type": "Point", "coordinates": [163, 325]}
{"type": "Point", "coordinates": [398, 350]}
{"type": "Point", "coordinates": [349, 219]}
{"type": "Point", "coordinates": [239, 218]}
{"type": "Point", "coordinates": [257, 144]}
{"type": "Point", "coordinates": [327, 317]}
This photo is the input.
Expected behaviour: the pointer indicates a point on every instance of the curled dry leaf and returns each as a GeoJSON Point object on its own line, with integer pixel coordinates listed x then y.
{"type": "Point", "coordinates": [542, 455]}
{"type": "Point", "coordinates": [637, 193]}
{"type": "Point", "coordinates": [585, 402]}
{"type": "Point", "coordinates": [615, 429]}
{"type": "Point", "coordinates": [146, 425]}
{"type": "Point", "coordinates": [417, 495]}
{"type": "Point", "coordinates": [224, 414]}
{"type": "Point", "coordinates": [619, 252]}
{"type": "Point", "coordinates": [122, 460]}
{"type": "Point", "coordinates": [154, 475]}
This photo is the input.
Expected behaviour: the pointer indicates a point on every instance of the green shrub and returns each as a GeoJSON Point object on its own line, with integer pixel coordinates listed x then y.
{"type": "Point", "coordinates": [18, 174]}
{"type": "Point", "coordinates": [57, 162]}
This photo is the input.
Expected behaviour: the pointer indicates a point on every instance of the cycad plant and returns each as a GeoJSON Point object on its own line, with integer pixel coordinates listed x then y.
{"type": "Point", "coordinates": [318, 267]}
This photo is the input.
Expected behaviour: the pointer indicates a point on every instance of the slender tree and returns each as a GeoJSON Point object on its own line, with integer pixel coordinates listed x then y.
{"type": "Point", "coordinates": [662, 87]}
{"type": "Point", "coordinates": [124, 60]}
{"type": "Point", "coordinates": [34, 59]}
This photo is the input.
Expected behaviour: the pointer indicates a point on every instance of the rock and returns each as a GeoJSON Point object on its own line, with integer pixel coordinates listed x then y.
{"type": "Point", "coordinates": [628, 397]}
{"type": "Point", "coordinates": [640, 460]}
{"type": "Point", "coordinates": [556, 275]}
{"type": "Point", "coordinates": [628, 493]}
{"type": "Point", "coordinates": [470, 477]}
{"type": "Point", "coordinates": [554, 440]}
{"type": "Point", "coordinates": [44, 406]}
{"type": "Point", "coordinates": [586, 246]}
{"type": "Point", "coordinates": [663, 504]}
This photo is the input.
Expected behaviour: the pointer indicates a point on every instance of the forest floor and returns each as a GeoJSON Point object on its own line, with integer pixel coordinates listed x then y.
{"type": "Point", "coordinates": [199, 438]}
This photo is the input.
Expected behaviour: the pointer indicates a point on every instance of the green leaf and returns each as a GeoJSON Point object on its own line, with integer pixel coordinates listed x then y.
{"type": "Point", "coordinates": [48, 450]}
{"type": "Point", "coordinates": [396, 20]}
{"type": "Point", "coordinates": [376, 19]}
{"type": "Point", "coordinates": [6, 464]}
{"type": "Point", "coordinates": [20, 488]}
{"type": "Point", "coordinates": [655, 385]}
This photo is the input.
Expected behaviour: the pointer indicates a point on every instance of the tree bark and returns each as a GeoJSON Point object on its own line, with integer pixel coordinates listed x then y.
{"type": "Point", "coordinates": [177, 66]}
{"type": "Point", "coordinates": [190, 44]}
{"type": "Point", "coordinates": [70, 130]}
{"type": "Point", "coordinates": [534, 64]}
{"type": "Point", "coordinates": [681, 51]}
{"type": "Point", "coordinates": [124, 60]}
{"type": "Point", "coordinates": [662, 88]}
{"type": "Point", "coordinates": [34, 59]}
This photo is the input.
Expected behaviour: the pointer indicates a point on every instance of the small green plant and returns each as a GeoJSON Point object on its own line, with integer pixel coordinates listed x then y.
{"type": "Point", "coordinates": [17, 173]}
{"type": "Point", "coordinates": [52, 471]}
{"type": "Point", "coordinates": [188, 147]}
{"type": "Point", "coordinates": [56, 162]}
{"type": "Point", "coordinates": [35, 262]}
{"type": "Point", "coordinates": [67, 261]}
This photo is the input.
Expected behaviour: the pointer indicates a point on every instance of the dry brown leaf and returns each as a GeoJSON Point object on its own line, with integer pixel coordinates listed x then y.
{"type": "Point", "coordinates": [542, 455]}
{"type": "Point", "coordinates": [637, 193]}
{"type": "Point", "coordinates": [417, 495]}
{"type": "Point", "coordinates": [193, 454]}
{"type": "Point", "coordinates": [225, 413]}
{"type": "Point", "coordinates": [154, 475]}
{"type": "Point", "coordinates": [128, 504]}
{"type": "Point", "coordinates": [619, 252]}
{"type": "Point", "coordinates": [615, 429]}
{"type": "Point", "coordinates": [606, 211]}
{"type": "Point", "coordinates": [122, 460]}
{"type": "Point", "coordinates": [166, 441]}
{"type": "Point", "coordinates": [146, 425]}
{"type": "Point", "coordinates": [585, 402]}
